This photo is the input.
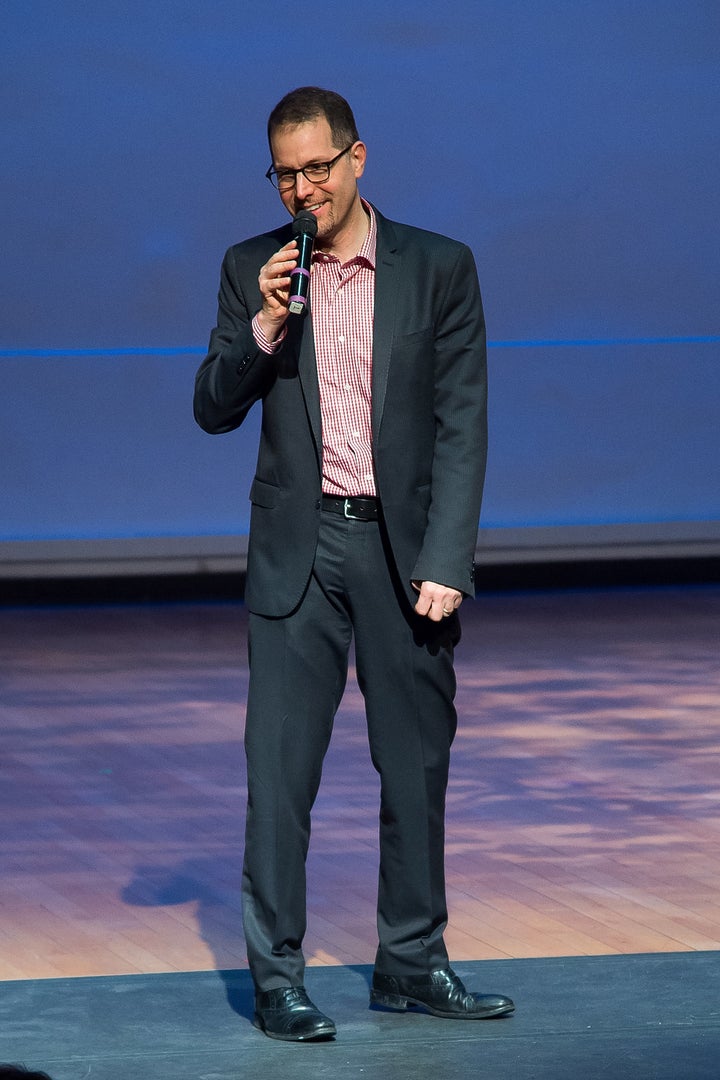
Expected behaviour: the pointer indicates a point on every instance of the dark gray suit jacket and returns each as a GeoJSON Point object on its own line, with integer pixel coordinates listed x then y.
{"type": "Point", "coordinates": [429, 417]}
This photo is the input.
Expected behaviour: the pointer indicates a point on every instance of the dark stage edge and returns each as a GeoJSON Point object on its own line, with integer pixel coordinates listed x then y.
{"type": "Point", "coordinates": [503, 577]}
{"type": "Point", "coordinates": [649, 1017]}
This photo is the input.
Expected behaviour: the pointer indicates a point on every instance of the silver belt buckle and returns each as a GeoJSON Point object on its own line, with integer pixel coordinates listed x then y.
{"type": "Point", "coordinates": [346, 511]}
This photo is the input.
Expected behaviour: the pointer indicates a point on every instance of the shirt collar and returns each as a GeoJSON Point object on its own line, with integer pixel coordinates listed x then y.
{"type": "Point", "coordinates": [367, 252]}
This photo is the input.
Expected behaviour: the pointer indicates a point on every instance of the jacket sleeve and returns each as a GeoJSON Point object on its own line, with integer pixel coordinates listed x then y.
{"type": "Point", "coordinates": [460, 442]}
{"type": "Point", "coordinates": [236, 372]}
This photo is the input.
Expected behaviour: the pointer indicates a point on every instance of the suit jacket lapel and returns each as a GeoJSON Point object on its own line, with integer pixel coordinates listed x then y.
{"type": "Point", "coordinates": [387, 283]}
{"type": "Point", "coordinates": [307, 373]}
{"type": "Point", "coordinates": [301, 360]}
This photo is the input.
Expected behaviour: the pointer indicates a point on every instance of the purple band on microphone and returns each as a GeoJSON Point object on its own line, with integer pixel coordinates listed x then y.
{"type": "Point", "coordinates": [301, 270]}
{"type": "Point", "coordinates": [301, 300]}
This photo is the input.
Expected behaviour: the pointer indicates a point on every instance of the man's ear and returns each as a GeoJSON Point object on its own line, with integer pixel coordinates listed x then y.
{"type": "Point", "coordinates": [358, 156]}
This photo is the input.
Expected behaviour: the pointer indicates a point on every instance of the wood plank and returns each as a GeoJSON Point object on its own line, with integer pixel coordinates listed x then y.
{"type": "Point", "coordinates": [582, 812]}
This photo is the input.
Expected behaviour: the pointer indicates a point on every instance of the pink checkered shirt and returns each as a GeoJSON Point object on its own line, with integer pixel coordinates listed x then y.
{"type": "Point", "coordinates": [342, 298]}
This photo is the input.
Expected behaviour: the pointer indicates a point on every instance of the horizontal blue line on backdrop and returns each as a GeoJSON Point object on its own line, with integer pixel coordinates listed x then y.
{"type": "Point", "coordinates": [539, 343]}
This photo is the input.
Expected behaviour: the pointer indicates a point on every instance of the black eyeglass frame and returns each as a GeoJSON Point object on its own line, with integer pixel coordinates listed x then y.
{"type": "Point", "coordinates": [272, 174]}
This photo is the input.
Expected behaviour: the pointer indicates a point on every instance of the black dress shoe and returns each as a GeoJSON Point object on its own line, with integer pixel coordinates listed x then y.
{"type": "Point", "coordinates": [289, 1014]}
{"type": "Point", "coordinates": [440, 993]}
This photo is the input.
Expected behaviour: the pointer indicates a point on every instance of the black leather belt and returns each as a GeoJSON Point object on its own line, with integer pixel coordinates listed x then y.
{"type": "Point", "coordinates": [355, 507]}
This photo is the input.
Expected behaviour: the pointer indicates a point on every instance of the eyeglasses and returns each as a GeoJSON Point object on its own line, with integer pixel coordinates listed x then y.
{"type": "Point", "coordinates": [317, 172]}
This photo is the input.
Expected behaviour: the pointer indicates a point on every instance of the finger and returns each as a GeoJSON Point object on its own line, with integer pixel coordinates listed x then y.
{"type": "Point", "coordinates": [273, 271]}
{"type": "Point", "coordinates": [435, 611]}
{"type": "Point", "coordinates": [429, 607]}
{"type": "Point", "coordinates": [277, 266]}
{"type": "Point", "coordinates": [272, 281]}
{"type": "Point", "coordinates": [281, 260]}
{"type": "Point", "coordinates": [286, 255]}
{"type": "Point", "coordinates": [423, 604]}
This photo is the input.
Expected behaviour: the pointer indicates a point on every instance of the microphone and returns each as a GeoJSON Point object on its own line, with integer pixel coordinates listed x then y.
{"type": "Point", "coordinates": [304, 230]}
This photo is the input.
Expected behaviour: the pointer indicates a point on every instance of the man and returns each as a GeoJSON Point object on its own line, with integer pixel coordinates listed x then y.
{"type": "Point", "coordinates": [364, 518]}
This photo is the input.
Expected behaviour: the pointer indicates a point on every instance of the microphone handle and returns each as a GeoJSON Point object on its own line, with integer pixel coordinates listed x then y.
{"type": "Point", "coordinates": [300, 277]}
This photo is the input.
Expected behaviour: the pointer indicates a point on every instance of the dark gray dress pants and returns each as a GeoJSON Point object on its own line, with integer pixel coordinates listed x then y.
{"type": "Point", "coordinates": [298, 670]}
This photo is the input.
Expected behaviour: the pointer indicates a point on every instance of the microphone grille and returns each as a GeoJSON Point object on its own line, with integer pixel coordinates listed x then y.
{"type": "Point", "coordinates": [305, 222]}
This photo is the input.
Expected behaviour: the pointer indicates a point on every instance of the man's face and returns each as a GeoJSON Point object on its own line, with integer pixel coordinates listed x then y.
{"type": "Point", "coordinates": [335, 203]}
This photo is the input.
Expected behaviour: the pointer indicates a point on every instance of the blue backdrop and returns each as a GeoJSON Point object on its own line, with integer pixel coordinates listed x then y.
{"type": "Point", "coordinates": [574, 145]}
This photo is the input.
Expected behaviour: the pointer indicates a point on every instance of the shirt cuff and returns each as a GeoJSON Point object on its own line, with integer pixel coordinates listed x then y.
{"type": "Point", "coordinates": [262, 342]}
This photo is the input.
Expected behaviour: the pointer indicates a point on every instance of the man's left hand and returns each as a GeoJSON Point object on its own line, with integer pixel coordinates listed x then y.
{"type": "Point", "coordinates": [437, 601]}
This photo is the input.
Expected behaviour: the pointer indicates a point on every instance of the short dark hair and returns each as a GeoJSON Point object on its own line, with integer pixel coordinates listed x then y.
{"type": "Point", "coordinates": [307, 103]}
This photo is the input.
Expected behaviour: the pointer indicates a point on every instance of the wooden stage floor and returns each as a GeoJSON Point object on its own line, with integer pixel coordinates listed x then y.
{"type": "Point", "coordinates": [583, 815]}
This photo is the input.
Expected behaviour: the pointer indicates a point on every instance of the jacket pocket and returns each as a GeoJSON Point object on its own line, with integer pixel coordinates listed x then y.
{"type": "Point", "coordinates": [263, 494]}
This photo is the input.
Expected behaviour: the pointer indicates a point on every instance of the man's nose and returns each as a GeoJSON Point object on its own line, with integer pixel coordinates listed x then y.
{"type": "Point", "coordinates": [303, 187]}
